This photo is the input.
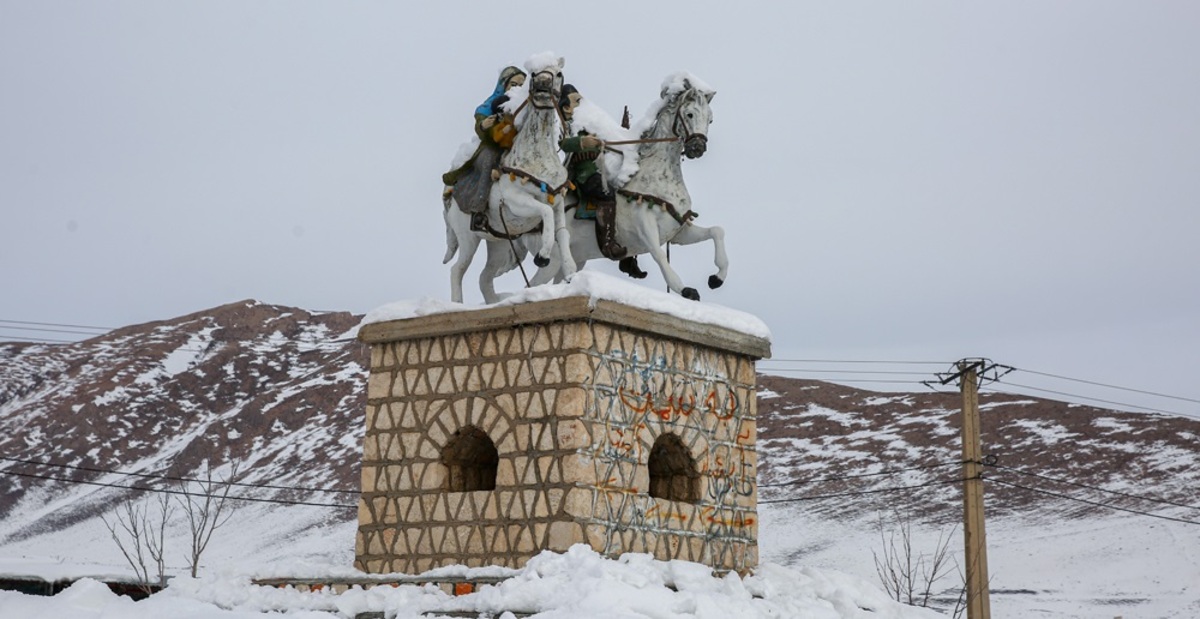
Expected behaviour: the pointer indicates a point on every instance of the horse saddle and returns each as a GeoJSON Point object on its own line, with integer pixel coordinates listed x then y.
{"type": "Point", "coordinates": [586, 209]}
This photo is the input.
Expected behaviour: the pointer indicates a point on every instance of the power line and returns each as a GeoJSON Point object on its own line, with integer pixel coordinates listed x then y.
{"type": "Point", "coordinates": [1085, 486]}
{"type": "Point", "coordinates": [840, 371]}
{"type": "Point", "coordinates": [179, 492]}
{"type": "Point", "coordinates": [169, 478]}
{"type": "Point", "coordinates": [838, 379]}
{"type": "Point", "coordinates": [1100, 400]}
{"type": "Point", "coordinates": [1098, 384]}
{"type": "Point", "coordinates": [1095, 503]}
{"type": "Point", "coordinates": [854, 361]}
{"type": "Point", "coordinates": [54, 324]}
{"type": "Point", "coordinates": [325, 346]}
{"type": "Point", "coordinates": [49, 330]}
{"type": "Point", "coordinates": [800, 482]}
{"type": "Point", "coordinates": [859, 492]}
{"type": "Point", "coordinates": [36, 340]}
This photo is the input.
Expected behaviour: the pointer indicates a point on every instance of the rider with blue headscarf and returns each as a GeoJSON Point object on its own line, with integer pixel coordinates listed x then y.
{"type": "Point", "coordinates": [471, 182]}
{"type": "Point", "coordinates": [510, 77]}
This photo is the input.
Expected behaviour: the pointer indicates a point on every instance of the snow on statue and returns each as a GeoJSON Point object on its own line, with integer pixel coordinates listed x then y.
{"type": "Point", "coordinates": [525, 197]}
{"type": "Point", "coordinates": [628, 194]}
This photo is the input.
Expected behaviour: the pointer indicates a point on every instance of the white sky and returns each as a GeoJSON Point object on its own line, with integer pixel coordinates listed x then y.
{"type": "Point", "coordinates": [918, 180]}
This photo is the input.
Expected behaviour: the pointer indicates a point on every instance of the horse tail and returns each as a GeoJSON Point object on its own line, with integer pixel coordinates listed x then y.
{"type": "Point", "coordinates": [451, 246]}
{"type": "Point", "coordinates": [451, 237]}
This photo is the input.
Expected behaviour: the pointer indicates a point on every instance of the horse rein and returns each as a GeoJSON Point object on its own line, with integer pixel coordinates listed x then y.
{"type": "Point", "coordinates": [687, 130]}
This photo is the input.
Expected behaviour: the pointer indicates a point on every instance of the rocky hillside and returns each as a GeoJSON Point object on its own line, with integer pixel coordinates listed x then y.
{"type": "Point", "coordinates": [851, 438]}
{"type": "Point", "coordinates": [280, 390]}
{"type": "Point", "coordinates": [277, 389]}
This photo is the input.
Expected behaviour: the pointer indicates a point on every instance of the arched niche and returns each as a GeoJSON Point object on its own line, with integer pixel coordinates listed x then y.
{"type": "Point", "coordinates": [673, 474]}
{"type": "Point", "coordinates": [471, 458]}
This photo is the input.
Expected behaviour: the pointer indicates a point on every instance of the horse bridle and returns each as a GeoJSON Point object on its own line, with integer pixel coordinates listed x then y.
{"type": "Point", "coordinates": [553, 96]}
{"type": "Point", "coordinates": [688, 134]}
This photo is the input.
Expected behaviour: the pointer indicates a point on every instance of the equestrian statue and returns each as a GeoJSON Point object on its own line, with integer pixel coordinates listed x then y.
{"type": "Point", "coordinates": [624, 193]}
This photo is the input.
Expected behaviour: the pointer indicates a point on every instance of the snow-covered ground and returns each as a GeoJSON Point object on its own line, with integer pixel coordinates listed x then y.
{"type": "Point", "coordinates": [1118, 566]}
{"type": "Point", "coordinates": [576, 584]}
{"type": "Point", "coordinates": [1125, 566]}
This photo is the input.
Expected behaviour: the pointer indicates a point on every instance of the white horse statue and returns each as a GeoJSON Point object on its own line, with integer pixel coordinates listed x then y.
{"type": "Point", "coordinates": [527, 198]}
{"type": "Point", "coordinates": [654, 207]}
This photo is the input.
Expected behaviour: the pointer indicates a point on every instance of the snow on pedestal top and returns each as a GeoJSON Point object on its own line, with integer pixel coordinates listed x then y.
{"type": "Point", "coordinates": [595, 286]}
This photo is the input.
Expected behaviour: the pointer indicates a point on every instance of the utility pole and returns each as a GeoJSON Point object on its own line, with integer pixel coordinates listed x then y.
{"type": "Point", "coordinates": [974, 533]}
{"type": "Point", "coordinates": [968, 373]}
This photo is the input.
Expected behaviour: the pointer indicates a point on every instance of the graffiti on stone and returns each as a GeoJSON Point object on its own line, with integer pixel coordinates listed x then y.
{"type": "Point", "coordinates": [637, 396]}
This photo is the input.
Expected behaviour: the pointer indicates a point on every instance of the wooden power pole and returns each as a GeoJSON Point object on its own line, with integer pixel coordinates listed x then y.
{"type": "Point", "coordinates": [974, 535]}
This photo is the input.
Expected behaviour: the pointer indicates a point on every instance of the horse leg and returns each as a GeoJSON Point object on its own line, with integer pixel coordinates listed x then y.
{"type": "Point", "coordinates": [692, 233]}
{"type": "Point", "coordinates": [466, 252]}
{"type": "Point", "coordinates": [548, 273]}
{"type": "Point", "coordinates": [670, 276]}
{"type": "Point", "coordinates": [499, 257]}
{"type": "Point", "coordinates": [562, 237]}
{"type": "Point", "coordinates": [546, 251]}
{"type": "Point", "coordinates": [523, 205]}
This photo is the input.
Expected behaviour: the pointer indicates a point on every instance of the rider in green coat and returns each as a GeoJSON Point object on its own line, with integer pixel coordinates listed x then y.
{"type": "Point", "coordinates": [584, 172]}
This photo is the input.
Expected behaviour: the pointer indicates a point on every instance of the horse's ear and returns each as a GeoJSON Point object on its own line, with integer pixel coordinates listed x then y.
{"type": "Point", "coordinates": [562, 62]}
{"type": "Point", "coordinates": [687, 84]}
{"type": "Point", "coordinates": [709, 95]}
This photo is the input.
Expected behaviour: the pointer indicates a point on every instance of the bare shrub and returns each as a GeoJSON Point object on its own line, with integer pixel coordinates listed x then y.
{"type": "Point", "coordinates": [205, 504]}
{"type": "Point", "coordinates": [139, 530]}
{"type": "Point", "coordinates": [908, 575]}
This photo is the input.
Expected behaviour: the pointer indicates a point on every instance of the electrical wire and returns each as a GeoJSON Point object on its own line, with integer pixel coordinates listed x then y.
{"type": "Point", "coordinates": [1083, 397]}
{"type": "Point", "coordinates": [1085, 486]}
{"type": "Point", "coordinates": [860, 492]}
{"type": "Point", "coordinates": [884, 372]}
{"type": "Point", "coordinates": [179, 492]}
{"type": "Point", "coordinates": [854, 361]}
{"type": "Point", "coordinates": [50, 330]}
{"type": "Point", "coordinates": [1099, 384]}
{"type": "Point", "coordinates": [838, 379]}
{"type": "Point", "coordinates": [169, 478]}
{"type": "Point", "coordinates": [54, 324]}
{"type": "Point", "coordinates": [800, 482]}
{"type": "Point", "coordinates": [35, 340]}
{"type": "Point", "coordinates": [1095, 503]}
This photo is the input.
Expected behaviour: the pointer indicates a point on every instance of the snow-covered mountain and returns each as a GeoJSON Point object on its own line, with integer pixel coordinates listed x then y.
{"type": "Point", "coordinates": [277, 390]}
{"type": "Point", "coordinates": [281, 391]}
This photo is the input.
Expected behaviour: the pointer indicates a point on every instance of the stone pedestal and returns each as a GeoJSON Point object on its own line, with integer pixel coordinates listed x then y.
{"type": "Point", "coordinates": [493, 434]}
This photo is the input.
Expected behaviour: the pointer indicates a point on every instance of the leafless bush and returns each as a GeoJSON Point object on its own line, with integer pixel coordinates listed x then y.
{"type": "Point", "coordinates": [909, 575]}
{"type": "Point", "coordinates": [139, 530]}
{"type": "Point", "coordinates": [206, 505]}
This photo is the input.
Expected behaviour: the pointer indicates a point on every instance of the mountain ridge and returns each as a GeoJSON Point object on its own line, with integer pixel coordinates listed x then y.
{"type": "Point", "coordinates": [281, 390]}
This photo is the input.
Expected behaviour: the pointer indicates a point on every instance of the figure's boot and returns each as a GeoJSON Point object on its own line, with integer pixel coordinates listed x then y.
{"type": "Point", "coordinates": [629, 266]}
{"type": "Point", "coordinates": [606, 230]}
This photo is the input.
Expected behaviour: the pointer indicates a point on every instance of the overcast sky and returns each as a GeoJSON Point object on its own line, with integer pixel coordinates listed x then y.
{"type": "Point", "coordinates": [910, 181]}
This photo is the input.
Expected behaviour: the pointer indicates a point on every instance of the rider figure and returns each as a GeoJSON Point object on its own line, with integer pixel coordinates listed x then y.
{"type": "Point", "coordinates": [471, 182]}
{"type": "Point", "coordinates": [583, 170]}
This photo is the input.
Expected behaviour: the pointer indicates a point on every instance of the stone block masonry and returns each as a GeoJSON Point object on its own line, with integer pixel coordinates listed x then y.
{"type": "Point", "coordinates": [493, 434]}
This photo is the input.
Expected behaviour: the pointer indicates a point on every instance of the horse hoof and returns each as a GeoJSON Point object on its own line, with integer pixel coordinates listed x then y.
{"type": "Point", "coordinates": [690, 293]}
{"type": "Point", "coordinates": [715, 282]}
{"type": "Point", "coordinates": [541, 261]}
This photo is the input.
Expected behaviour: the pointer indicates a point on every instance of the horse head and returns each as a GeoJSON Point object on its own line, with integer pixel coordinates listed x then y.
{"type": "Point", "coordinates": [692, 118]}
{"type": "Point", "coordinates": [545, 85]}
